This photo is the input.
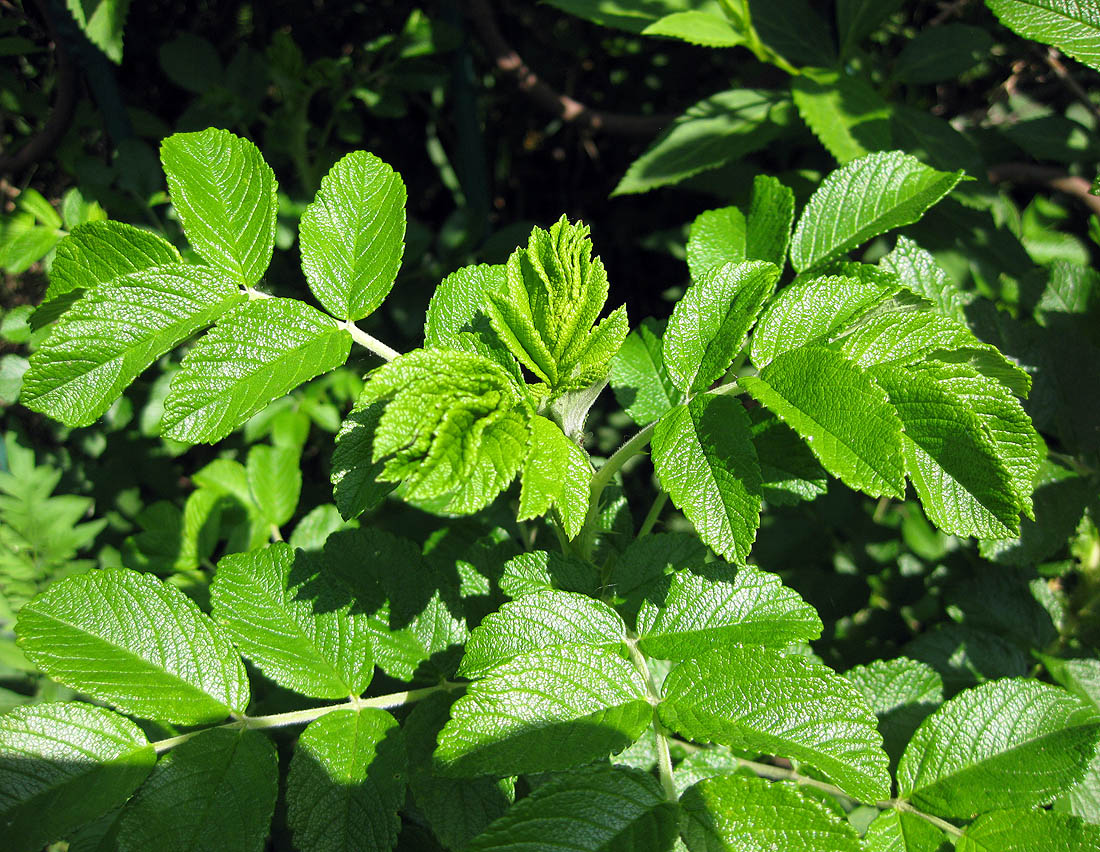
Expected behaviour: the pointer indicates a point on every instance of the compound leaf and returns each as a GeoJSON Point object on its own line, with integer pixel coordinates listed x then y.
{"type": "Point", "coordinates": [256, 353]}
{"type": "Point", "coordinates": [1019, 830]}
{"type": "Point", "coordinates": [136, 642]}
{"type": "Point", "coordinates": [755, 698]}
{"type": "Point", "coordinates": [224, 194]}
{"type": "Point", "coordinates": [639, 378]}
{"type": "Point", "coordinates": [353, 235]}
{"type": "Point", "coordinates": [555, 472]}
{"type": "Point", "coordinates": [1070, 25]}
{"type": "Point", "coordinates": [99, 252]}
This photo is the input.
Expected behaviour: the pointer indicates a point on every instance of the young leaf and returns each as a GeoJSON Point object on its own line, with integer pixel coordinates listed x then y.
{"type": "Point", "coordinates": [849, 117]}
{"type": "Point", "coordinates": [541, 620]}
{"type": "Point", "coordinates": [865, 198]}
{"type": "Point", "coordinates": [639, 378]}
{"type": "Point", "coordinates": [108, 337]}
{"type": "Point", "coordinates": [840, 411]}
{"type": "Point", "coordinates": [275, 482]}
{"type": "Point", "coordinates": [771, 215]}
{"type": "Point", "coordinates": [1071, 26]}
{"type": "Point", "coordinates": [224, 194]}
{"type": "Point", "coordinates": [919, 273]}
{"type": "Point", "coordinates": [458, 314]}
{"type": "Point", "coordinates": [356, 487]}
{"type": "Point", "coordinates": [556, 471]}
{"type": "Point", "coordinates": [62, 765]}
{"type": "Point", "coordinates": [704, 457]}
{"type": "Point", "coordinates": [1004, 744]}
{"type": "Point", "coordinates": [699, 613]}
{"type": "Point", "coordinates": [353, 235]}
{"type": "Point", "coordinates": [710, 323]}
{"type": "Point", "coordinates": [734, 811]}
{"type": "Point", "coordinates": [1028, 831]}
{"type": "Point", "coordinates": [136, 642]}
{"type": "Point", "coordinates": [295, 626]}
{"type": "Point", "coordinates": [610, 808]}
{"type": "Point", "coordinates": [544, 710]}
{"type": "Point", "coordinates": [717, 237]}
{"type": "Point", "coordinates": [256, 353]}
{"type": "Point", "coordinates": [696, 27]}
{"type": "Point", "coordinates": [902, 692]}
{"type": "Point", "coordinates": [755, 698]}
{"type": "Point", "coordinates": [347, 781]}
{"type": "Point", "coordinates": [99, 252]}
{"type": "Point", "coordinates": [213, 792]}
{"type": "Point", "coordinates": [900, 831]}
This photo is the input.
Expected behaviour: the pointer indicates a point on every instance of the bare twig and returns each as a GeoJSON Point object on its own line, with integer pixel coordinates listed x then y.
{"type": "Point", "coordinates": [1047, 176]}
{"type": "Point", "coordinates": [1054, 60]}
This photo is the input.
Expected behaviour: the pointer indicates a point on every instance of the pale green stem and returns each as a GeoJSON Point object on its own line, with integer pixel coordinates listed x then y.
{"type": "Point", "coordinates": [372, 343]}
{"type": "Point", "coordinates": [941, 824]}
{"type": "Point", "coordinates": [276, 533]}
{"type": "Point", "coordinates": [603, 478]}
{"type": "Point", "coordinates": [653, 514]}
{"type": "Point", "coordinates": [664, 759]}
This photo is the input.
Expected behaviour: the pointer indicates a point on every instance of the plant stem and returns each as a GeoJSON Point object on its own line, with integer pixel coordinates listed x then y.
{"type": "Point", "coordinates": [603, 478]}
{"type": "Point", "coordinates": [941, 824]}
{"type": "Point", "coordinates": [298, 717]}
{"type": "Point", "coordinates": [372, 343]}
{"type": "Point", "coordinates": [664, 759]}
{"type": "Point", "coordinates": [653, 514]}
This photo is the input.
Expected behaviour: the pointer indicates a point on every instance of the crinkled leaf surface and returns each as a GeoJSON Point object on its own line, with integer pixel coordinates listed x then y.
{"type": "Point", "coordinates": [757, 699]}
{"type": "Point", "coordinates": [704, 457]}
{"type": "Point", "coordinates": [110, 335]}
{"type": "Point", "coordinates": [639, 378]}
{"type": "Point", "coordinates": [62, 765]}
{"type": "Point", "coordinates": [1028, 831]}
{"type": "Point", "coordinates": [771, 215]}
{"type": "Point", "coordinates": [213, 792]}
{"type": "Point", "coordinates": [717, 237]}
{"type": "Point", "coordinates": [224, 194]}
{"type": "Point", "coordinates": [865, 198]}
{"type": "Point", "coordinates": [256, 353]}
{"type": "Point", "coordinates": [458, 314]}
{"type": "Point", "coordinates": [900, 831]}
{"type": "Point", "coordinates": [540, 570]}
{"type": "Point", "coordinates": [544, 710]}
{"type": "Point", "coordinates": [919, 273]}
{"type": "Point", "coordinates": [902, 692]}
{"type": "Point", "coordinates": [292, 623]}
{"type": "Point", "coordinates": [353, 235]}
{"type": "Point", "coordinates": [789, 470]}
{"type": "Point", "coordinates": [356, 487]}
{"type": "Point", "coordinates": [1007, 743]}
{"type": "Point", "coordinates": [1070, 25]}
{"type": "Point", "coordinates": [347, 781]}
{"type": "Point", "coordinates": [555, 472]}
{"type": "Point", "coordinates": [136, 642]}
{"type": "Point", "coordinates": [98, 252]}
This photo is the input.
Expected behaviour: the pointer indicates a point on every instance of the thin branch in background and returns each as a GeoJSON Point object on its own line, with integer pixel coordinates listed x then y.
{"type": "Point", "coordinates": [948, 10]}
{"type": "Point", "coordinates": [1052, 178]}
{"type": "Point", "coordinates": [1054, 60]}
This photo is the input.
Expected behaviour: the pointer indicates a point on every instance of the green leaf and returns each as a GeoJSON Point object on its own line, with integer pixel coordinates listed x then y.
{"type": "Point", "coordinates": [99, 252]}
{"type": "Point", "coordinates": [919, 273]}
{"type": "Point", "coordinates": [540, 570]}
{"type": "Point", "coordinates": [275, 481]}
{"type": "Point", "coordinates": [545, 710]}
{"type": "Point", "coordinates": [902, 692]}
{"type": "Point", "coordinates": [541, 620]}
{"type": "Point", "coordinates": [455, 424]}
{"type": "Point", "coordinates": [1007, 743]}
{"type": "Point", "coordinates": [297, 628]}
{"type": "Point", "coordinates": [1028, 831]}
{"type": "Point", "coordinates": [789, 470]}
{"type": "Point", "coordinates": [347, 781]}
{"type": "Point", "coordinates": [857, 19]}
{"type": "Point", "coordinates": [612, 809]}
{"type": "Point", "coordinates": [771, 215]}
{"type": "Point", "coordinates": [704, 458]}
{"type": "Point", "coordinates": [963, 485]}
{"type": "Point", "coordinates": [1081, 677]}
{"type": "Point", "coordinates": [256, 353]}
{"type": "Point", "coordinates": [458, 314]}
{"type": "Point", "coordinates": [756, 699]}
{"type": "Point", "coordinates": [697, 27]}
{"type": "Point", "coordinates": [938, 54]}
{"type": "Point", "coordinates": [716, 130]}
{"type": "Point", "coordinates": [214, 792]}
{"type": "Point", "coordinates": [224, 194]}
{"type": "Point", "coordinates": [899, 831]}
{"type": "Point", "coordinates": [710, 324]}
{"type": "Point", "coordinates": [639, 378]}
{"type": "Point", "coordinates": [1083, 798]}
{"type": "Point", "coordinates": [112, 334]}
{"type": "Point", "coordinates": [849, 117]}
{"type": "Point", "coordinates": [558, 472]}
{"type": "Point", "coordinates": [841, 412]}
{"type": "Point", "coordinates": [353, 235]}
{"type": "Point", "coordinates": [965, 656]}
{"type": "Point", "coordinates": [136, 642]}
{"type": "Point", "coordinates": [554, 291]}
{"type": "Point", "coordinates": [102, 22]}
{"type": "Point", "coordinates": [356, 487]}
{"type": "Point", "coordinates": [794, 28]}
{"type": "Point", "coordinates": [1073, 27]}
{"type": "Point", "coordinates": [865, 198]}
{"type": "Point", "coordinates": [717, 237]}
{"type": "Point", "coordinates": [62, 765]}
{"type": "Point", "coordinates": [697, 613]}
{"type": "Point", "coordinates": [735, 813]}
{"type": "Point", "coordinates": [1071, 289]}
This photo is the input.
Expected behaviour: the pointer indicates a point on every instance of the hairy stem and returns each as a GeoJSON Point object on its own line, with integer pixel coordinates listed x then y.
{"type": "Point", "coordinates": [603, 478]}
{"type": "Point", "coordinates": [372, 343]}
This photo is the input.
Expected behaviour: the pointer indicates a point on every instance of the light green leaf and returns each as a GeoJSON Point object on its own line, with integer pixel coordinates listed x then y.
{"type": "Point", "coordinates": [1028, 831]}
{"type": "Point", "coordinates": [102, 22]}
{"type": "Point", "coordinates": [558, 472]}
{"type": "Point", "coordinates": [857, 19]}
{"type": "Point", "coordinates": [695, 611]}
{"type": "Point", "coordinates": [639, 378]}
{"type": "Point", "coordinates": [540, 570]}
{"type": "Point", "coordinates": [628, 15]}
{"type": "Point", "coordinates": [849, 117]}
{"type": "Point", "coordinates": [735, 813]}
{"type": "Point", "coordinates": [347, 781]}
{"type": "Point", "coordinates": [902, 692]}
{"type": "Point", "coordinates": [296, 626]}
{"type": "Point", "coordinates": [865, 198]}
{"type": "Point", "coordinates": [899, 831]}
{"type": "Point", "coordinates": [1071, 289]}
{"type": "Point", "coordinates": [1072, 26]}
{"type": "Point", "coordinates": [1080, 676]}
{"type": "Point", "coordinates": [840, 411]}
{"type": "Point", "coordinates": [1083, 798]}
{"type": "Point", "coordinates": [705, 763]}
{"type": "Point", "coordinates": [99, 252]}
{"type": "Point", "coordinates": [771, 215]}
{"type": "Point", "coordinates": [214, 792]}
{"type": "Point", "coordinates": [1006, 743]}
{"type": "Point", "coordinates": [545, 710]}
{"type": "Point", "coordinates": [721, 128]}
{"type": "Point", "coordinates": [62, 765]}
{"type": "Point", "coordinates": [256, 353]}
{"type": "Point", "coordinates": [275, 481]}
{"type": "Point", "coordinates": [353, 235]}
{"type": "Point", "coordinates": [605, 808]}
{"type": "Point", "coordinates": [710, 324]}
{"type": "Point", "coordinates": [136, 642]}
{"type": "Point", "coordinates": [695, 27]}
{"type": "Point", "coordinates": [704, 458]}
{"type": "Point", "coordinates": [716, 237]}
{"type": "Point", "coordinates": [541, 620]}
{"type": "Point", "coordinates": [224, 194]}
{"type": "Point", "coordinates": [356, 487]}
{"type": "Point", "coordinates": [458, 314]}
{"type": "Point", "coordinates": [789, 470]}
{"type": "Point", "coordinates": [937, 54]}
{"type": "Point", "coordinates": [114, 332]}
{"type": "Point", "coordinates": [755, 698]}
{"type": "Point", "coordinates": [919, 273]}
